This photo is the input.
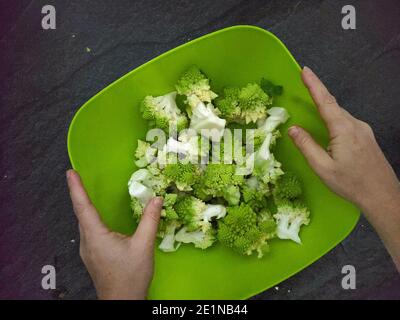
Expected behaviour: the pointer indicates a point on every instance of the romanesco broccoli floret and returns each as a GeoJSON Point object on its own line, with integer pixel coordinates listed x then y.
{"type": "Point", "coordinates": [184, 175]}
{"type": "Point", "coordinates": [190, 211]}
{"type": "Point", "coordinates": [288, 186]}
{"type": "Point", "coordinates": [240, 231]}
{"type": "Point", "coordinates": [199, 238]}
{"type": "Point", "coordinates": [290, 216]}
{"type": "Point", "coordinates": [219, 180]}
{"type": "Point", "coordinates": [162, 112]}
{"type": "Point", "coordinates": [194, 82]}
{"type": "Point", "coordinates": [168, 211]}
{"type": "Point", "coordinates": [255, 198]}
{"type": "Point", "coordinates": [229, 106]}
{"type": "Point", "coordinates": [253, 102]}
{"type": "Point", "coordinates": [144, 154]}
{"type": "Point", "coordinates": [244, 105]}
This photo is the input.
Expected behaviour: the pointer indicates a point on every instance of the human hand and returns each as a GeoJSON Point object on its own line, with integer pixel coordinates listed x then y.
{"type": "Point", "coordinates": [353, 165]}
{"type": "Point", "coordinates": [120, 266]}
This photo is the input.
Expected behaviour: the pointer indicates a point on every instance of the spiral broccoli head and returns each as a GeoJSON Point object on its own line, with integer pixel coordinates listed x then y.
{"type": "Point", "coordinates": [229, 106]}
{"type": "Point", "coordinates": [185, 175]}
{"type": "Point", "coordinates": [219, 180]}
{"type": "Point", "coordinates": [239, 231]}
{"type": "Point", "coordinates": [253, 102]}
{"type": "Point", "coordinates": [288, 186]}
{"type": "Point", "coordinates": [244, 105]}
{"type": "Point", "coordinates": [194, 82]}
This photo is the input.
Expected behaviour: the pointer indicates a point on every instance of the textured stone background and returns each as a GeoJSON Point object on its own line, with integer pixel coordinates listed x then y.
{"type": "Point", "coordinates": [47, 75]}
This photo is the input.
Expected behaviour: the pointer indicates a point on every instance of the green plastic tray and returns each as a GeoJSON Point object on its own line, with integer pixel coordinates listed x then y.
{"type": "Point", "coordinates": [102, 138]}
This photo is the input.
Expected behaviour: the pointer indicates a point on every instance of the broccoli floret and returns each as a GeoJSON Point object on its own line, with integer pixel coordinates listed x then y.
{"type": "Point", "coordinates": [253, 102]}
{"type": "Point", "coordinates": [162, 112]}
{"type": "Point", "coordinates": [144, 154]}
{"type": "Point", "coordinates": [255, 198]}
{"type": "Point", "coordinates": [219, 180]}
{"type": "Point", "coordinates": [228, 105]}
{"type": "Point", "coordinates": [288, 186]}
{"type": "Point", "coordinates": [137, 209]}
{"type": "Point", "coordinates": [194, 82]}
{"type": "Point", "coordinates": [190, 211]}
{"type": "Point", "coordinates": [199, 238]}
{"type": "Point", "coordinates": [290, 216]}
{"type": "Point", "coordinates": [168, 210]}
{"type": "Point", "coordinates": [267, 223]}
{"type": "Point", "coordinates": [206, 122]}
{"type": "Point", "coordinates": [168, 236]}
{"type": "Point", "coordinates": [244, 105]}
{"type": "Point", "coordinates": [240, 231]}
{"type": "Point", "coordinates": [185, 175]}
{"type": "Point", "coordinates": [266, 167]}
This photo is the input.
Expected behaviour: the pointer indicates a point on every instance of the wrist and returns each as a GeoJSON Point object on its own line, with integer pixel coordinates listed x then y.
{"type": "Point", "coordinates": [120, 294]}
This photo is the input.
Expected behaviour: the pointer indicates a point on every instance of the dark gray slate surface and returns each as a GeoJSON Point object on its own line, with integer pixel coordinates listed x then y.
{"type": "Point", "coordinates": [47, 75]}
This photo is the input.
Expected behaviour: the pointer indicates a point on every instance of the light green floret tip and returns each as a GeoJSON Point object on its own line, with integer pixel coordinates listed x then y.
{"type": "Point", "coordinates": [290, 216]}
{"type": "Point", "coordinates": [162, 112]}
{"type": "Point", "coordinates": [137, 209]}
{"type": "Point", "coordinates": [168, 211]}
{"type": "Point", "coordinates": [184, 175]}
{"type": "Point", "coordinates": [240, 231]}
{"type": "Point", "coordinates": [219, 180]}
{"type": "Point", "coordinates": [144, 154]}
{"type": "Point", "coordinates": [194, 82]}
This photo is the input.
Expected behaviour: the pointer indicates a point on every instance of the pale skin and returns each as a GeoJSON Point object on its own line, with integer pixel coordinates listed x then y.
{"type": "Point", "coordinates": [353, 166]}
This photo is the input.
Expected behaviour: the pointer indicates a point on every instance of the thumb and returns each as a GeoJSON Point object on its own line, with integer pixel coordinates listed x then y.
{"type": "Point", "coordinates": [317, 158]}
{"type": "Point", "coordinates": [147, 229]}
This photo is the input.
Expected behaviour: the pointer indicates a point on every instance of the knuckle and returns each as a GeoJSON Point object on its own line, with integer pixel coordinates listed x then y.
{"type": "Point", "coordinates": [153, 215]}
{"type": "Point", "coordinates": [303, 140]}
{"type": "Point", "coordinates": [346, 127]}
{"type": "Point", "coordinates": [330, 99]}
{"type": "Point", "coordinates": [365, 127]}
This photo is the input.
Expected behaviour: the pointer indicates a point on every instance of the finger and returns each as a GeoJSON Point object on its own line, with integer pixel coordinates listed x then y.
{"type": "Point", "coordinates": [84, 210]}
{"type": "Point", "coordinates": [328, 108]}
{"type": "Point", "coordinates": [317, 157]}
{"type": "Point", "coordinates": [148, 225]}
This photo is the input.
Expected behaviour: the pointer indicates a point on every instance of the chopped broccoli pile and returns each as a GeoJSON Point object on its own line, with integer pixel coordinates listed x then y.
{"type": "Point", "coordinates": [217, 187]}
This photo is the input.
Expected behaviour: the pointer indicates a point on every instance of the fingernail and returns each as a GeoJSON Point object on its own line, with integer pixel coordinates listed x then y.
{"type": "Point", "coordinates": [68, 173]}
{"type": "Point", "coordinates": [158, 201]}
{"type": "Point", "coordinates": [293, 131]}
{"type": "Point", "coordinates": [307, 70]}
